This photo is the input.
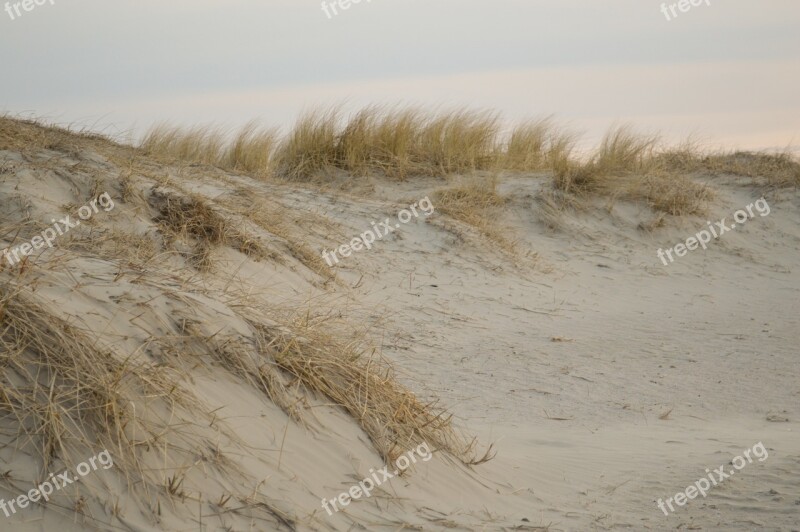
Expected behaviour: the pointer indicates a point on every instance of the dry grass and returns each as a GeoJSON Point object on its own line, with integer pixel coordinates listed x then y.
{"type": "Point", "coordinates": [25, 135]}
{"type": "Point", "coordinates": [310, 147]}
{"type": "Point", "coordinates": [252, 151]}
{"type": "Point", "coordinates": [778, 169]}
{"type": "Point", "coordinates": [671, 194]}
{"type": "Point", "coordinates": [365, 386]}
{"type": "Point", "coordinates": [191, 219]}
{"type": "Point", "coordinates": [199, 144]}
{"type": "Point", "coordinates": [397, 142]}
{"type": "Point", "coordinates": [537, 145]}
{"type": "Point", "coordinates": [285, 223]}
{"type": "Point", "coordinates": [68, 391]}
{"type": "Point", "coordinates": [457, 142]}
{"type": "Point", "coordinates": [401, 142]}
{"type": "Point", "coordinates": [394, 140]}
{"type": "Point", "coordinates": [629, 166]}
{"type": "Point", "coordinates": [621, 152]}
{"type": "Point", "coordinates": [476, 203]}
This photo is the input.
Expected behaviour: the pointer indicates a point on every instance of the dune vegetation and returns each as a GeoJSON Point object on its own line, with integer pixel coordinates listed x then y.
{"type": "Point", "coordinates": [69, 384]}
{"type": "Point", "coordinates": [66, 382]}
{"type": "Point", "coordinates": [407, 142]}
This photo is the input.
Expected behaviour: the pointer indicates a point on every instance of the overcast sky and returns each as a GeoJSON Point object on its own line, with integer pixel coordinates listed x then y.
{"type": "Point", "coordinates": [727, 72]}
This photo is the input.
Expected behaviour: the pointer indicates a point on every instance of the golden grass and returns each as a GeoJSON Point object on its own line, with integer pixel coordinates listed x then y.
{"type": "Point", "coordinates": [477, 203]}
{"type": "Point", "coordinates": [252, 151]}
{"type": "Point", "coordinates": [24, 135]}
{"type": "Point", "coordinates": [68, 391]}
{"type": "Point", "coordinates": [310, 147]}
{"type": "Point", "coordinates": [396, 142]}
{"type": "Point", "coordinates": [198, 144]}
{"type": "Point", "coordinates": [779, 169]}
{"type": "Point", "coordinates": [402, 142]}
{"type": "Point", "coordinates": [630, 166]}
{"type": "Point", "coordinates": [366, 387]}
{"type": "Point", "coordinates": [536, 145]}
{"type": "Point", "coordinates": [670, 193]}
{"type": "Point", "coordinates": [457, 142]}
{"type": "Point", "coordinates": [65, 390]}
{"type": "Point", "coordinates": [621, 152]}
{"type": "Point", "coordinates": [193, 220]}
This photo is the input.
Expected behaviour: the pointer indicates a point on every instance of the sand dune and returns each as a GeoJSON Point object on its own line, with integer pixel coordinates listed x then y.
{"type": "Point", "coordinates": [195, 332]}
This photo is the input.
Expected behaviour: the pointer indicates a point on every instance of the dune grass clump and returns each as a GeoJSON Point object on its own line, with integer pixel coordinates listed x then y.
{"type": "Point", "coordinates": [393, 418]}
{"type": "Point", "coordinates": [624, 151]}
{"type": "Point", "coordinates": [780, 169]}
{"type": "Point", "coordinates": [629, 166]}
{"type": "Point", "coordinates": [621, 152]}
{"type": "Point", "coordinates": [394, 141]}
{"type": "Point", "coordinates": [192, 219]}
{"type": "Point", "coordinates": [457, 142]}
{"type": "Point", "coordinates": [198, 144]}
{"type": "Point", "coordinates": [775, 168]}
{"type": "Point", "coordinates": [391, 141]}
{"type": "Point", "coordinates": [67, 391]}
{"type": "Point", "coordinates": [477, 203]}
{"type": "Point", "coordinates": [310, 147]}
{"type": "Point", "coordinates": [401, 142]}
{"type": "Point", "coordinates": [251, 151]}
{"type": "Point", "coordinates": [536, 145]}
{"type": "Point", "coordinates": [672, 194]}
{"type": "Point", "coordinates": [355, 145]}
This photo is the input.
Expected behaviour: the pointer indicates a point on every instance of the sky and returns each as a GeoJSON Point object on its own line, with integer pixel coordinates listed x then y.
{"type": "Point", "coordinates": [724, 72]}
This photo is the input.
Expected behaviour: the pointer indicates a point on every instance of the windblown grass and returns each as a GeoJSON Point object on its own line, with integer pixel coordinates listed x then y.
{"type": "Point", "coordinates": [251, 151]}
{"type": "Point", "coordinates": [193, 220]}
{"type": "Point", "coordinates": [779, 169]}
{"type": "Point", "coordinates": [621, 152]}
{"type": "Point", "coordinates": [537, 145]}
{"type": "Point", "coordinates": [311, 146]}
{"type": "Point", "coordinates": [457, 142]}
{"type": "Point", "coordinates": [670, 193]}
{"type": "Point", "coordinates": [367, 389]}
{"type": "Point", "coordinates": [477, 203]}
{"type": "Point", "coordinates": [68, 391]}
{"type": "Point", "coordinates": [629, 166]}
{"type": "Point", "coordinates": [66, 388]}
{"type": "Point", "coordinates": [402, 142]}
{"type": "Point", "coordinates": [395, 142]}
{"type": "Point", "coordinates": [198, 144]}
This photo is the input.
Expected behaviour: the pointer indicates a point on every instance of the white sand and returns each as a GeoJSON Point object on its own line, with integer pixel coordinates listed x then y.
{"type": "Point", "coordinates": [711, 339]}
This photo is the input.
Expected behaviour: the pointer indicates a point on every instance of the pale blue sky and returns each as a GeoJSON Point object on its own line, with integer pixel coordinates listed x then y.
{"type": "Point", "coordinates": [727, 71]}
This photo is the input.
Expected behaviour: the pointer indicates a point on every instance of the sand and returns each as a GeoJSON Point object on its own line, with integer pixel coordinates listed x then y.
{"type": "Point", "coordinates": [604, 379]}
